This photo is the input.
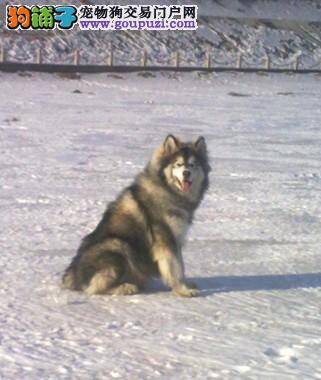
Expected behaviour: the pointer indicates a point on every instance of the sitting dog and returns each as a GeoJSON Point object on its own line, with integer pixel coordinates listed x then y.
{"type": "Point", "coordinates": [142, 232]}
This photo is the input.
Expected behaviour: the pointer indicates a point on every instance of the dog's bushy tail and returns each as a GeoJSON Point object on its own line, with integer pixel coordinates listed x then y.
{"type": "Point", "coordinates": [68, 280]}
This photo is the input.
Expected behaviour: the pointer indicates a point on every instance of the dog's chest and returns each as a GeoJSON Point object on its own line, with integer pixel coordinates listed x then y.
{"type": "Point", "coordinates": [178, 222]}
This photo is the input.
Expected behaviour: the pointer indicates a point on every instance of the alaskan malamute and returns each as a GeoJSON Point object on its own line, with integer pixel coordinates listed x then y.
{"type": "Point", "coordinates": [142, 233]}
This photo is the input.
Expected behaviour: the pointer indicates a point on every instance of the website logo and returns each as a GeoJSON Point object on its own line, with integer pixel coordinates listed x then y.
{"type": "Point", "coordinates": [41, 18]}
{"type": "Point", "coordinates": [102, 17]}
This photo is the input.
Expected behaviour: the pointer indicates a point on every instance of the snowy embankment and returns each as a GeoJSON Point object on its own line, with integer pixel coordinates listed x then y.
{"type": "Point", "coordinates": [68, 146]}
{"type": "Point", "coordinates": [256, 28]}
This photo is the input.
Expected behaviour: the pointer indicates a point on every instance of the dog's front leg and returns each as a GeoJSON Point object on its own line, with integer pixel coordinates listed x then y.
{"type": "Point", "coordinates": [171, 269]}
{"type": "Point", "coordinates": [190, 284]}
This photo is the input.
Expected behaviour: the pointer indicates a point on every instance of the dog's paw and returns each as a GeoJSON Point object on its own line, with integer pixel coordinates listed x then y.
{"type": "Point", "coordinates": [184, 291]}
{"type": "Point", "coordinates": [125, 289]}
{"type": "Point", "coordinates": [191, 284]}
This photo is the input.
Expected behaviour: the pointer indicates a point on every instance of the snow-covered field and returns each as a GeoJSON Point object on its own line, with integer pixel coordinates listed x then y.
{"type": "Point", "coordinates": [68, 146]}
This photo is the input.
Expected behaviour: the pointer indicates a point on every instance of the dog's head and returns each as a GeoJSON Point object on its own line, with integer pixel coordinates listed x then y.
{"type": "Point", "coordinates": [183, 166]}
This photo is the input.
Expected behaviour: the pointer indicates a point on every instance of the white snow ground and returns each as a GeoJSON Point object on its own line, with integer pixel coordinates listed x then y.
{"type": "Point", "coordinates": [254, 249]}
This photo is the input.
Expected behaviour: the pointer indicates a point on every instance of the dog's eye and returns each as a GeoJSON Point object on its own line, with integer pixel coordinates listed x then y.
{"type": "Point", "coordinates": [179, 164]}
{"type": "Point", "coordinates": [191, 165]}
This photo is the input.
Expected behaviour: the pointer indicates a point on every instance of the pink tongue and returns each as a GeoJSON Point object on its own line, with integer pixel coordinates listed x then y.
{"type": "Point", "coordinates": [186, 185]}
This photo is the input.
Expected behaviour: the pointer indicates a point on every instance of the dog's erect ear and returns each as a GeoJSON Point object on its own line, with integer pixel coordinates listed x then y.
{"type": "Point", "coordinates": [201, 149]}
{"type": "Point", "coordinates": [171, 144]}
{"type": "Point", "coordinates": [200, 145]}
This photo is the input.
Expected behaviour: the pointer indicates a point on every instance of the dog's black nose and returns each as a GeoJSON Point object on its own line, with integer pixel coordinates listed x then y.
{"type": "Point", "coordinates": [186, 174]}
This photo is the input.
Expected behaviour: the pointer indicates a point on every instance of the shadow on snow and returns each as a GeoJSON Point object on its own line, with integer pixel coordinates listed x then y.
{"type": "Point", "coordinates": [210, 285]}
